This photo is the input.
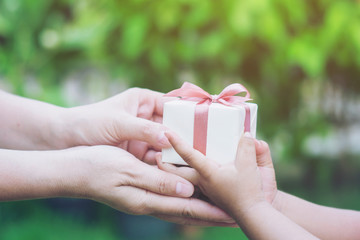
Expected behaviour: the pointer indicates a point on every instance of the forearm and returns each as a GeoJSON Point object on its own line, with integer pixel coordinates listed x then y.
{"type": "Point", "coordinates": [31, 125]}
{"type": "Point", "coordinates": [265, 222]}
{"type": "Point", "coordinates": [32, 174]}
{"type": "Point", "coordinates": [324, 222]}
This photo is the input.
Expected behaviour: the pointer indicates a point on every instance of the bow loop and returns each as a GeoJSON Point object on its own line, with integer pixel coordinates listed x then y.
{"type": "Point", "coordinates": [191, 92]}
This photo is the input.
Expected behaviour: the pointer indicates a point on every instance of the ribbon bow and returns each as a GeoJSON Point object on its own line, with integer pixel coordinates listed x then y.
{"type": "Point", "coordinates": [191, 92]}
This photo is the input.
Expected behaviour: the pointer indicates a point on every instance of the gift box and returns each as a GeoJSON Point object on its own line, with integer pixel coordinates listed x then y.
{"type": "Point", "coordinates": [212, 124]}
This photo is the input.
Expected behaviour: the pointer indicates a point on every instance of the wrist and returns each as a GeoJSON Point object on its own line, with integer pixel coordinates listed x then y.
{"type": "Point", "coordinates": [59, 132]}
{"type": "Point", "coordinates": [253, 211]}
{"type": "Point", "coordinates": [242, 208]}
{"type": "Point", "coordinates": [67, 129]}
{"type": "Point", "coordinates": [70, 173]}
{"type": "Point", "coordinates": [278, 201]}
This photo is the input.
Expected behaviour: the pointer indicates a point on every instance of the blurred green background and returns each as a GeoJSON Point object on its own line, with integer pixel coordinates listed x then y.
{"type": "Point", "coordinates": [299, 59]}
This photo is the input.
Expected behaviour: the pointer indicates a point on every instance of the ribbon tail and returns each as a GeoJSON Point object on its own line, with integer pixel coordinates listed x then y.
{"type": "Point", "coordinates": [200, 127]}
{"type": "Point", "coordinates": [247, 118]}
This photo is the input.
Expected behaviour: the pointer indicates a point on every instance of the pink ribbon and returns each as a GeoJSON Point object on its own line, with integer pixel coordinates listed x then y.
{"type": "Point", "coordinates": [191, 92]}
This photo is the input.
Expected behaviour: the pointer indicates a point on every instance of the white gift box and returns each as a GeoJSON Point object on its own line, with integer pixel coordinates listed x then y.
{"type": "Point", "coordinates": [225, 127]}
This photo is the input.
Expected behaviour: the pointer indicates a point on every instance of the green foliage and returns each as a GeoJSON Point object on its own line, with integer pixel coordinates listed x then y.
{"type": "Point", "coordinates": [279, 49]}
{"type": "Point", "coordinates": [258, 41]}
{"type": "Point", "coordinates": [44, 227]}
{"type": "Point", "coordinates": [33, 221]}
{"type": "Point", "coordinates": [271, 46]}
{"type": "Point", "coordinates": [274, 47]}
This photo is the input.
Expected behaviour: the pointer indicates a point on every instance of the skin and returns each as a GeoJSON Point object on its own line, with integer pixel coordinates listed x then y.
{"type": "Point", "coordinates": [130, 120]}
{"type": "Point", "coordinates": [237, 188]}
{"type": "Point", "coordinates": [323, 222]}
{"type": "Point", "coordinates": [95, 152]}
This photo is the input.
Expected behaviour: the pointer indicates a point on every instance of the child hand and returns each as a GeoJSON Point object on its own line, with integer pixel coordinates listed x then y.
{"type": "Point", "coordinates": [235, 187]}
{"type": "Point", "coordinates": [266, 167]}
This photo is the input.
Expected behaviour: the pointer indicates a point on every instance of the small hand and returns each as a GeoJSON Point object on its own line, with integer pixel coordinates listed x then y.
{"type": "Point", "coordinates": [130, 120]}
{"type": "Point", "coordinates": [116, 178]}
{"type": "Point", "coordinates": [264, 163]}
{"type": "Point", "coordinates": [235, 187]}
{"type": "Point", "coordinates": [240, 188]}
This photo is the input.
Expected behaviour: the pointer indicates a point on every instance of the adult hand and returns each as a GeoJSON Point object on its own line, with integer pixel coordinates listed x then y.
{"type": "Point", "coordinates": [130, 120]}
{"type": "Point", "coordinates": [116, 178]}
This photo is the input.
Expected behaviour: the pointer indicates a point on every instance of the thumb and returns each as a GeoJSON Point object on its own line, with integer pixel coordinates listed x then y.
{"type": "Point", "coordinates": [246, 154]}
{"type": "Point", "coordinates": [155, 180]}
{"type": "Point", "coordinates": [145, 130]}
{"type": "Point", "coordinates": [263, 155]}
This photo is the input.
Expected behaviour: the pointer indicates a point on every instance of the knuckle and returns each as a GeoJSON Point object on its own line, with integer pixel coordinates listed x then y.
{"type": "Point", "coordinates": [187, 211]}
{"type": "Point", "coordinates": [246, 145]}
{"type": "Point", "coordinates": [138, 91]}
{"type": "Point", "coordinates": [250, 142]}
{"type": "Point", "coordinates": [148, 129]}
{"type": "Point", "coordinates": [162, 186]}
{"type": "Point", "coordinates": [133, 91]}
{"type": "Point", "coordinates": [188, 156]}
{"type": "Point", "coordinates": [140, 207]}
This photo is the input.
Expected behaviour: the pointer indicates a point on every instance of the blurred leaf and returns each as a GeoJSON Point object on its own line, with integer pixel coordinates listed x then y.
{"type": "Point", "coordinates": [212, 45]}
{"type": "Point", "coordinates": [159, 58]}
{"type": "Point", "coordinates": [306, 53]}
{"type": "Point", "coordinates": [133, 36]}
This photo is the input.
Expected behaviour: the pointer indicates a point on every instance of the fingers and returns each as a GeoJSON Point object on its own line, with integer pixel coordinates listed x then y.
{"type": "Point", "coordinates": [193, 221]}
{"type": "Point", "coordinates": [142, 151]}
{"type": "Point", "coordinates": [187, 208]}
{"type": "Point", "coordinates": [137, 148]}
{"type": "Point", "coordinates": [246, 151]}
{"type": "Point", "coordinates": [150, 157]}
{"type": "Point", "coordinates": [157, 118]}
{"type": "Point", "coordinates": [149, 96]}
{"type": "Point", "coordinates": [158, 181]}
{"type": "Point", "coordinates": [263, 155]}
{"type": "Point", "coordinates": [191, 156]}
{"type": "Point", "coordinates": [187, 173]}
{"type": "Point", "coordinates": [144, 130]}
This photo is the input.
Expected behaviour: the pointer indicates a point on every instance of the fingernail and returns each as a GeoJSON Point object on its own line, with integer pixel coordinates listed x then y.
{"type": "Point", "coordinates": [183, 189]}
{"type": "Point", "coordinates": [179, 187]}
{"type": "Point", "coordinates": [248, 135]}
{"type": "Point", "coordinates": [263, 143]}
{"type": "Point", "coordinates": [163, 140]}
